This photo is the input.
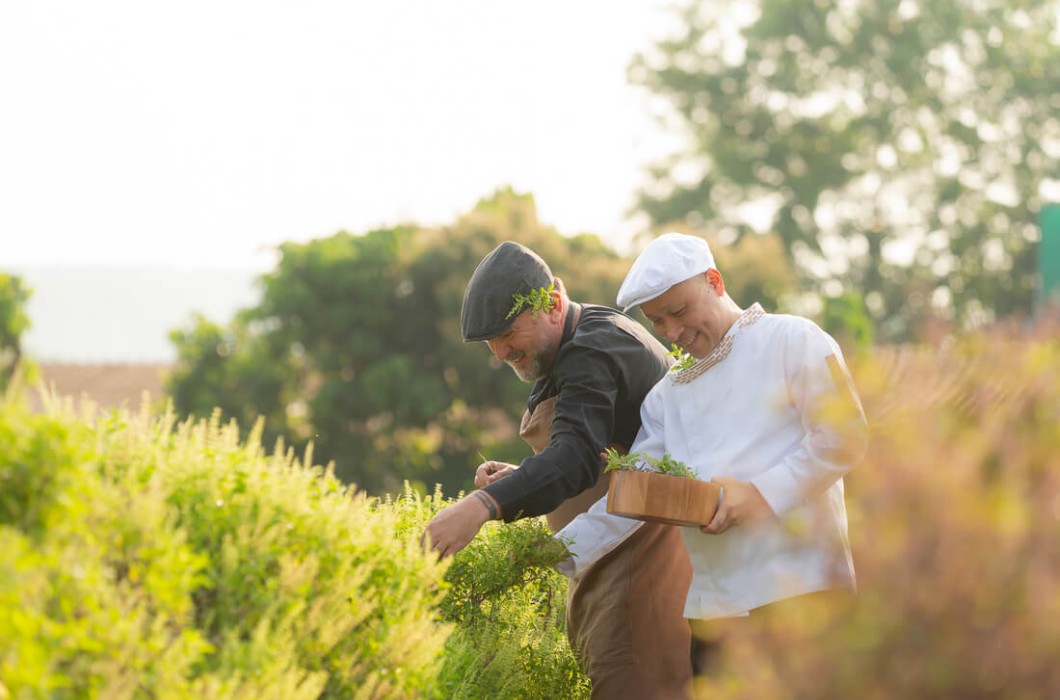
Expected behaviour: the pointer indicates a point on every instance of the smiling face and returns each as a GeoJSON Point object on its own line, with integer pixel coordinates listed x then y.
{"type": "Point", "coordinates": [695, 313]}
{"type": "Point", "coordinates": [530, 344]}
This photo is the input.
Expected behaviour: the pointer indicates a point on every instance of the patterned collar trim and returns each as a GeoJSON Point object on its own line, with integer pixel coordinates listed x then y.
{"type": "Point", "coordinates": [719, 353]}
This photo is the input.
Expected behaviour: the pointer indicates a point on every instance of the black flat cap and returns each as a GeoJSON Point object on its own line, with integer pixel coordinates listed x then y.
{"type": "Point", "coordinates": [509, 269]}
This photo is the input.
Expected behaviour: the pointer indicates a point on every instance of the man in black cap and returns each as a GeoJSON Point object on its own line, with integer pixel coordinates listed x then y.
{"type": "Point", "coordinates": [591, 367]}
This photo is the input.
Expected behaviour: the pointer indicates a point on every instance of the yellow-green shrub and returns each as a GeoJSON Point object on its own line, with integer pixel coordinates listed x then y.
{"type": "Point", "coordinates": [94, 586]}
{"type": "Point", "coordinates": [140, 558]}
{"type": "Point", "coordinates": [508, 608]}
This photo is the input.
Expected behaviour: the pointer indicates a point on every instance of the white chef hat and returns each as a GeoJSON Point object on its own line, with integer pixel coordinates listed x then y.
{"type": "Point", "coordinates": [668, 260]}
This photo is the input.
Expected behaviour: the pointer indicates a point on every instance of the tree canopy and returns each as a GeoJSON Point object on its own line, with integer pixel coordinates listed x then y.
{"type": "Point", "coordinates": [355, 346]}
{"type": "Point", "coordinates": [13, 323]}
{"type": "Point", "coordinates": [899, 147]}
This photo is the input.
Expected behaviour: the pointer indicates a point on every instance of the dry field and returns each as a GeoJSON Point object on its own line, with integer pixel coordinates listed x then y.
{"type": "Point", "coordinates": [106, 385]}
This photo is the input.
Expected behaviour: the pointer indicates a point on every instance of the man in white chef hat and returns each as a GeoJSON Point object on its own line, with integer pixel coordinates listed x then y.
{"type": "Point", "coordinates": [768, 411]}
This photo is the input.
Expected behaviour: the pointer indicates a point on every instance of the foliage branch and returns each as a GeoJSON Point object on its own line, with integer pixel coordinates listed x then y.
{"type": "Point", "coordinates": [537, 301]}
{"type": "Point", "coordinates": [682, 359]}
{"type": "Point", "coordinates": [644, 462]}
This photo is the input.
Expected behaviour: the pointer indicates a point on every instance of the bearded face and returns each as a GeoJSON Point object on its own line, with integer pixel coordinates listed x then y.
{"type": "Point", "coordinates": [528, 347]}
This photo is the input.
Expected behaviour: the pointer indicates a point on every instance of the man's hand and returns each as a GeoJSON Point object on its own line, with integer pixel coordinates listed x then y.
{"type": "Point", "coordinates": [739, 502]}
{"type": "Point", "coordinates": [488, 472]}
{"type": "Point", "coordinates": [454, 527]}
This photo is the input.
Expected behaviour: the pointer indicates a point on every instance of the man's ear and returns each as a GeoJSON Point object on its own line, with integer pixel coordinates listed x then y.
{"type": "Point", "coordinates": [558, 311]}
{"type": "Point", "coordinates": [716, 282]}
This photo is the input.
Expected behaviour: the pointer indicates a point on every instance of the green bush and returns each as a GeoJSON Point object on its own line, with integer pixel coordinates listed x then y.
{"type": "Point", "coordinates": [141, 557]}
{"type": "Point", "coordinates": [95, 585]}
{"type": "Point", "coordinates": [508, 607]}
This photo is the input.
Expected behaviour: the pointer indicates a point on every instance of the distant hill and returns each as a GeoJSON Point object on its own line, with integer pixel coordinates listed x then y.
{"type": "Point", "coordinates": [124, 314]}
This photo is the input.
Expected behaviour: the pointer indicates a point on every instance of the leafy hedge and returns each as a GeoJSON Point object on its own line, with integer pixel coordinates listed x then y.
{"type": "Point", "coordinates": [140, 557]}
{"type": "Point", "coordinates": [508, 607]}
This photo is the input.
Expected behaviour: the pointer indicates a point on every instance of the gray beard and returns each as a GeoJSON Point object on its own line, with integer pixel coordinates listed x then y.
{"type": "Point", "coordinates": [531, 373]}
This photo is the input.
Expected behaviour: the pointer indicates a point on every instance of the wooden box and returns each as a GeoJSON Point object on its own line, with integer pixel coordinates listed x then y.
{"type": "Point", "coordinates": [661, 498]}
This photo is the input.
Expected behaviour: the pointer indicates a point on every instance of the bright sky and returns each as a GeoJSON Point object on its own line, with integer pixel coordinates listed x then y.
{"type": "Point", "coordinates": [202, 133]}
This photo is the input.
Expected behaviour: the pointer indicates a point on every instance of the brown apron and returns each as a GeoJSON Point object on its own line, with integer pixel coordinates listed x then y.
{"type": "Point", "coordinates": [625, 614]}
{"type": "Point", "coordinates": [536, 430]}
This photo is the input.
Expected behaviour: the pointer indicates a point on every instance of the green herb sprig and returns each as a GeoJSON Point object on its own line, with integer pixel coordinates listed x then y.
{"type": "Point", "coordinates": [539, 301]}
{"type": "Point", "coordinates": [682, 360]}
{"type": "Point", "coordinates": [639, 461]}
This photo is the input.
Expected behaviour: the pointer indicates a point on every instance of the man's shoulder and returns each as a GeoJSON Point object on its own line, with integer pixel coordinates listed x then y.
{"type": "Point", "coordinates": [782, 332]}
{"type": "Point", "coordinates": [596, 317]}
{"type": "Point", "coordinates": [599, 312]}
{"type": "Point", "coordinates": [602, 326]}
{"type": "Point", "coordinates": [605, 335]}
{"type": "Point", "coordinates": [786, 323]}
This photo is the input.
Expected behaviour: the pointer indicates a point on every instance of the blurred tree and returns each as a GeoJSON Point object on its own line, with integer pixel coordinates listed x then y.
{"type": "Point", "coordinates": [231, 369]}
{"type": "Point", "coordinates": [13, 323]}
{"type": "Point", "coordinates": [356, 346]}
{"type": "Point", "coordinates": [899, 147]}
{"type": "Point", "coordinates": [847, 320]}
{"type": "Point", "coordinates": [756, 269]}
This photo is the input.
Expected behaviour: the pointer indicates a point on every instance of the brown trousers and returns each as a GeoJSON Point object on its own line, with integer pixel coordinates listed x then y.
{"type": "Point", "coordinates": [625, 614]}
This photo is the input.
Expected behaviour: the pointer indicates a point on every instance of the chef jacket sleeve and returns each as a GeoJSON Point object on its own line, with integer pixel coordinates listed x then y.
{"type": "Point", "coordinates": [835, 432]}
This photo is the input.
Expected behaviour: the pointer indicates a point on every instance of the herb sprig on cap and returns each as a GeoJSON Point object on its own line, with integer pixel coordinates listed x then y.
{"type": "Point", "coordinates": [539, 301]}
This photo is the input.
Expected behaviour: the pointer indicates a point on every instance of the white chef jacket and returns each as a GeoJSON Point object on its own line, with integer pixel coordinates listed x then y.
{"type": "Point", "coordinates": [760, 408]}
